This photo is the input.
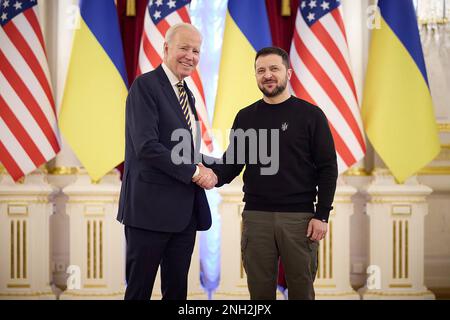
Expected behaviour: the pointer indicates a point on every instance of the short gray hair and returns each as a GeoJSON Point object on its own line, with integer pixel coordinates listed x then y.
{"type": "Point", "coordinates": [173, 30]}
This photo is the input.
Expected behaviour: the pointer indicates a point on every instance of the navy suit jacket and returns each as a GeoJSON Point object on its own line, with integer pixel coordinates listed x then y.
{"type": "Point", "coordinates": [157, 194]}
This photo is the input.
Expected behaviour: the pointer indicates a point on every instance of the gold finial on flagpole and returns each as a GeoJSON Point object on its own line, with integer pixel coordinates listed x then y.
{"type": "Point", "coordinates": [131, 8]}
{"type": "Point", "coordinates": [285, 8]}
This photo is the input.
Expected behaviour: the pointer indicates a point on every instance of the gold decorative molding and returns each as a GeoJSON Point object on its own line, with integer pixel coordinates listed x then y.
{"type": "Point", "coordinates": [401, 247]}
{"type": "Point", "coordinates": [394, 246]}
{"type": "Point", "coordinates": [393, 201]}
{"type": "Point", "coordinates": [2, 169]}
{"type": "Point", "coordinates": [381, 172]}
{"type": "Point", "coordinates": [94, 286]}
{"type": "Point", "coordinates": [232, 294]}
{"type": "Point", "coordinates": [18, 286]}
{"type": "Point", "coordinates": [18, 275]}
{"type": "Point", "coordinates": [331, 248]}
{"type": "Point", "coordinates": [189, 295]}
{"type": "Point", "coordinates": [400, 285]}
{"type": "Point", "coordinates": [406, 249]}
{"type": "Point", "coordinates": [114, 199]}
{"type": "Point", "coordinates": [25, 200]}
{"type": "Point", "coordinates": [444, 127]}
{"type": "Point", "coordinates": [88, 249]}
{"type": "Point", "coordinates": [435, 171]}
{"type": "Point", "coordinates": [357, 172]}
{"type": "Point", "coordinates": [12, 257]}
{"type": "Point", "coordinates": [24, 248]}
{"type": "Point", "coordinates": [93, 294]}
{"type": "Point", "coordinates": [26, 294]}
{"type": "Point", "coordinates": [94, 237]}
{"type": "Point", "coordinates": [336, 294]}
{"type": "Point", "coordinates": [399, 293]}
{"type": "Point", "coordinates": [433, 21]}
{"type": "Point", "coordinates": [444, 154]}
{"type": "Point", "coordinates": [101, 248]}
{"type": "Point", "coordinates": [64, 171]}
{"type": "Point", "coordinates": [324, 286]}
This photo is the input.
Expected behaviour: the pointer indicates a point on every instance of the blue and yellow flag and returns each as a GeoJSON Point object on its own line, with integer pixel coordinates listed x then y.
{"type": "Point", "coordinates": [397, 109]}
{"type": "Point", "coordinates": [246, 31]}
{"type": "Point", "coordinates": [92, 116]}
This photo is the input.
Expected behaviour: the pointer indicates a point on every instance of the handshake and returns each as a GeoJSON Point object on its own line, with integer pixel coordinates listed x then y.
{"type": "Point", "coordinates": [206, 179]}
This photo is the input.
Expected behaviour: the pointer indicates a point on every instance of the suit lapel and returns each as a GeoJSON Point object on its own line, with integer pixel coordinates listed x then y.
{"type": "Point", "coordinates": [170, 94]}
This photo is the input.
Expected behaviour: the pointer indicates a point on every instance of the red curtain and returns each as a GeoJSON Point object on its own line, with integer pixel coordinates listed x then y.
{"type": "Point", "coordinates": [281, 27]}
{"type": "Point", "coordinates": [131, 30]}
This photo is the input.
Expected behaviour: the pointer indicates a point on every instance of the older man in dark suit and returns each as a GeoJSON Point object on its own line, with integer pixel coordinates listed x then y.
{"type": "Point", "coordinates": [162, 200]}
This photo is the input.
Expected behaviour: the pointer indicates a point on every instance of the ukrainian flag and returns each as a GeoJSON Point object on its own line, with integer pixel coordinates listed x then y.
{"type": "Point", "coordinates": [92, 116]}
{"type": "Point", "coordinates": [397, 109]}
{"type": "Point", "coordinates": [246, 31]}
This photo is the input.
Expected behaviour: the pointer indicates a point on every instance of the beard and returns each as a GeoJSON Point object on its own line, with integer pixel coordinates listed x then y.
{"type": "Point", "coordinates": [275, 92]}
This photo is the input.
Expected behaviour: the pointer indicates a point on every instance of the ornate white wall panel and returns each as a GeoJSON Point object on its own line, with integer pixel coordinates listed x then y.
{"type": "Point", "coordinates": [397, 214]}
{"type": "Point", "coordinates": [24, 237]}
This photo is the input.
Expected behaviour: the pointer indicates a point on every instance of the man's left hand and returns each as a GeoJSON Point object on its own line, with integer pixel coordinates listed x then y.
{"type": "Point", "coordinates": [317, 230]}
{"type": "Point", "coordinates": [206, 179]}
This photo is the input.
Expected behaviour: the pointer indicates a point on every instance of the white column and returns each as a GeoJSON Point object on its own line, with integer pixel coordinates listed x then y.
{"type": "Point", "coordinates": [24, 237]}
{"type": "Point", "coordinates": [97, 243]}
{"type": "Point", "coordinates": [396, 213]}
{"type": "Point", "coordinates": [333, 274]}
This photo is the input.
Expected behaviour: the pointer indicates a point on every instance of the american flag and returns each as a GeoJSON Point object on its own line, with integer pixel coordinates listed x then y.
{"type": "Point", "coordinates": [322, 75]}
{"type": "Point", "coordinates": [159, 17]}
{"type": "Point", "coordinates": [29, 134]}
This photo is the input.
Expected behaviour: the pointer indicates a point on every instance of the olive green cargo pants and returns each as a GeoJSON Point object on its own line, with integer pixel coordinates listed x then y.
{"type": "Point", "coordinates": [269, 235]}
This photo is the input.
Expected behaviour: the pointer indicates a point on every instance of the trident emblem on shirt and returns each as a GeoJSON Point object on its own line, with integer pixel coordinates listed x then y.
{"type": "Point", "coordinates": [284, 126]}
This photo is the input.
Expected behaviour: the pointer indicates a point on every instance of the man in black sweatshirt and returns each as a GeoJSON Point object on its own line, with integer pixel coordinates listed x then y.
{"type": "Point", "coordinates": [279, 218]}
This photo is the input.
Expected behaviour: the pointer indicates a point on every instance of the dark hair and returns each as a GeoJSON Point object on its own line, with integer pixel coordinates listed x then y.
{"type": "Point", "coordinates": [274, 50]}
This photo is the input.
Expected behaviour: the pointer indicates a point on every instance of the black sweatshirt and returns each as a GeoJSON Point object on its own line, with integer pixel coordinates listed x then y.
{"type": "Point", "coordinates": [307, 158]}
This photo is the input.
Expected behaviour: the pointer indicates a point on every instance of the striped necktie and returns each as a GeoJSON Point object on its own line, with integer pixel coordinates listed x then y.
{"type": "Point", "coordinates": [184, 103]}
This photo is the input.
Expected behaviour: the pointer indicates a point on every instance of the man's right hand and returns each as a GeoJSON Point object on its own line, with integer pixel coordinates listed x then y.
{"type": "Point", "coordinates": [206, 179]}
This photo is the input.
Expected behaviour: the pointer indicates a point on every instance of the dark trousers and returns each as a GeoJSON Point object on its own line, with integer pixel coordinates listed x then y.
{"type": "Point", "coordinates": [266, 236]}
{"type": "Point", "coordinates": [147, 250]}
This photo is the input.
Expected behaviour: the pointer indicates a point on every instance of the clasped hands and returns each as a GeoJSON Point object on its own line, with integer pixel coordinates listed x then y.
{"type": "Point", "coordinates": [206, 179]}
